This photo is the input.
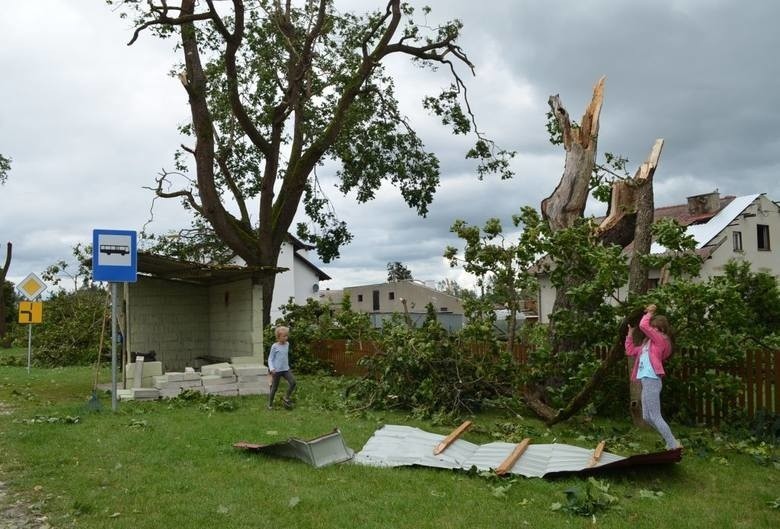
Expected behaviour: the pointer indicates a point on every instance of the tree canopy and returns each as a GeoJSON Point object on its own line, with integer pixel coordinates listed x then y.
{"type": "Point", "coordinates": [397, 271]}
{"type": "Point", "coordinates": [276, 90]}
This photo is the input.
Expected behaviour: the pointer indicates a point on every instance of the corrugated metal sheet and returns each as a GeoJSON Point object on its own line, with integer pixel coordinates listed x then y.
{"type": "Point", "coordinates": [318, 452]}
{"type": "Point", "coordinates": [394, 445]}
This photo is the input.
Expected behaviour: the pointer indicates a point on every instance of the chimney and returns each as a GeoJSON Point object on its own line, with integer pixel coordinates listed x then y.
{"type": "Point", "coordinates": [702, 204]}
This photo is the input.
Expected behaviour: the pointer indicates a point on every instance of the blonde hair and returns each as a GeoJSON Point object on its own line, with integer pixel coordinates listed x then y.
{"type": "Point", "coordinates": [281, 329]}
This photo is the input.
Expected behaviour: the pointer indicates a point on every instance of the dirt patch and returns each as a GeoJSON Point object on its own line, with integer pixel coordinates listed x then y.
{"type": "Point", "coordinates": [15, 511]}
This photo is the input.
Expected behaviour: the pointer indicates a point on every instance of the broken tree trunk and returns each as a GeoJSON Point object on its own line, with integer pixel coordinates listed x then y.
{"type": "Point", "coordinates": [638, 272]}
{"type": "Point", "coordinates": [3, 274]}
{"type": "Point", "coordinates": [566, 205]}
{"type": "Point", "coordinates": [629, 219]}
{"type": "Point", "coordinates": [567, 202]}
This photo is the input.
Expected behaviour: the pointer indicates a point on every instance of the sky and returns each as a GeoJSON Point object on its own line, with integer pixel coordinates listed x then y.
{"type": "Point", "coordinates": [89, 122]}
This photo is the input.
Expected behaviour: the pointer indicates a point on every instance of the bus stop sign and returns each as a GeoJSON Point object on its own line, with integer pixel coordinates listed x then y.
{"type": "Point", "coordinates": [114, 256]}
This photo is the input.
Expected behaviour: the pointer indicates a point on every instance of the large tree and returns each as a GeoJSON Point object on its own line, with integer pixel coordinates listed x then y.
{"type": "Point", "coordinates": [277, 89]}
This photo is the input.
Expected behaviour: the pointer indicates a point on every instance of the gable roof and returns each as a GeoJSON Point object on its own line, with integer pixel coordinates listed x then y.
{"type": "Point", "coordinates": [682, 214]}
{"type": "Point", "coordinates": [705, 232]}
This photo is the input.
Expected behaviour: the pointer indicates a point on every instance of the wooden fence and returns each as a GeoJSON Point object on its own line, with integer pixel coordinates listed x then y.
{"type": "Point", "coordinates": [759, 374]}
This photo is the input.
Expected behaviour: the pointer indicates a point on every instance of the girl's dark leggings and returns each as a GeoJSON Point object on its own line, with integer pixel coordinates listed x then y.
{"type": "Point", "coordinates": [288, 376]}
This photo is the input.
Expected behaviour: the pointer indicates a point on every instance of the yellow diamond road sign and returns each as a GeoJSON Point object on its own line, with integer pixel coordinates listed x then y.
{"type": "Point", "coordinates": [31, 286]}
{"type": "Point", "coordinates": [30, 311]}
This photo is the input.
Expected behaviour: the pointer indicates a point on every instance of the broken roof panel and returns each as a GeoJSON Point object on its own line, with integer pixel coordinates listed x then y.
{"type": "Point", "coordinates": [319, 452]}
{"type": "Point", "coordinates": [393, 445]}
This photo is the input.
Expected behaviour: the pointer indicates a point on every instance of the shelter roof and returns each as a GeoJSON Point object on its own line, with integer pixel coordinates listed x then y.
{"type": "Point", "coordinates": [206, 274]}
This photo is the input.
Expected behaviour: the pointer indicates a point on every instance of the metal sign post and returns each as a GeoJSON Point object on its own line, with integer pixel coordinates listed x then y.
{"type": "Point", "coordinates": [114, 259]}
{"type": "Point", "coordinates": [114, 404]}
{"type": "Point", "coordinates": [29, 347]}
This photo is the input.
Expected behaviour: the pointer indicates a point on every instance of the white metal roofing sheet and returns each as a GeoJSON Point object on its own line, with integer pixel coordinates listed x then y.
{"type": "Point", "coordinates": [704, 233]}
{"type": "Point", "coordinates": [394, 445]}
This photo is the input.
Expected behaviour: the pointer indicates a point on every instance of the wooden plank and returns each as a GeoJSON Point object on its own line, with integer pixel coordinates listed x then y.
{"type": "Point", "coordinates": [759, 380]}
{"type": "Point", "coordinates": [457, 432]}
{"type": "Point", "coordinates": [768, 381]}
{"type": "Point", "coordinates": [740, 372]}
{"type": "Point", "coordinates": [594, 459]}
{"type": "Point", "coordinates": [749, 386]}
{"type": "Point", "coordinates": [512, 458]}
{"type": "Point", "coordinates": [777, 382]}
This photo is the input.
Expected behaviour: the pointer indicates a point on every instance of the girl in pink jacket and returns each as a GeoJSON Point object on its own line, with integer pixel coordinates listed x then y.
{"type": "Point", "coordinates": [649, 369]}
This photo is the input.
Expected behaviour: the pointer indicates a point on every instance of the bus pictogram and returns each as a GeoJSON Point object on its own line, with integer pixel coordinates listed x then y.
{"type": "Point", "coordinates": [109, 249]}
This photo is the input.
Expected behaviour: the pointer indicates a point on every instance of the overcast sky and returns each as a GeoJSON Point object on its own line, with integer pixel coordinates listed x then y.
{"type": "Point", "coordinates": [89, 121]}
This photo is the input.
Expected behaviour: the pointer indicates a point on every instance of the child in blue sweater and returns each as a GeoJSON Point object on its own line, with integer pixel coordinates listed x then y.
{"type": "Point", "coordinates": [279, 367]}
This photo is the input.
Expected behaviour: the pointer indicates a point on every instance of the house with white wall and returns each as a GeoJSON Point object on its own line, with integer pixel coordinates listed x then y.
{"type": "Point", "coordinates": [193, 313]}
{"type": "Point", "coordinates": [725, 229]}
{"type": "Point", "coordinates": [381, 300]}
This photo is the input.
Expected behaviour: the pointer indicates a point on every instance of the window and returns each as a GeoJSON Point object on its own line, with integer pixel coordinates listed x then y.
{"type": "Point", "coordinates": [391, 296]}
{"type": "Point", "coordinates": [360, 297]}
{"type": "Point", "coordinates": [653, 283]}
{"type": "Point", "coordinates": [763, 236]}
{"type": "Point", "coordinates": [736, 238]}
{"type": "Point", "coordinates": [375, 295]}
{"type": "Point", "coordinates": [442, 309]}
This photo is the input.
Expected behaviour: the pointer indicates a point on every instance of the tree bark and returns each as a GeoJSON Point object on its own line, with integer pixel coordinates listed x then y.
{"type": "Point", "coordinates": [3, 274]}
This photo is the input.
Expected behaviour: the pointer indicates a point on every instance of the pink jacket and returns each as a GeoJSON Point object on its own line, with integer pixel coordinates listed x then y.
{"type": "Point", "coordinates": [660, 348]}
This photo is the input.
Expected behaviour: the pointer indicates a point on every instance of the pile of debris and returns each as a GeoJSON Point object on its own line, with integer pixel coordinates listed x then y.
{"type": "Point", "coordinates": [241, 376]}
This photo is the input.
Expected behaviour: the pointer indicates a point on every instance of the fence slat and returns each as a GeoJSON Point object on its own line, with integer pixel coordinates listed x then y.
{"type": "Point", "coordinates": [776, 355]}
{"type": "Point", "coordinates": [749, 385]}
{"type": "Point", "coordinates": [768, 380]}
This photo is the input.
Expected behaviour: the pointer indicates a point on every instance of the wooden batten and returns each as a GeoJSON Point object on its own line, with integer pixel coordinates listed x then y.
{"type": "Point", "coordinates": [594, 459]}
{"type": "Point", "coordinates": [457, 432]}
{"type": "Point", "coordinates": [512, 458]}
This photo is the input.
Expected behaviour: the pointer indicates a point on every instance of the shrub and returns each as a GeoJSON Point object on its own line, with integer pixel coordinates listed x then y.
{"type": "Point", "coordinates": [71, 328]}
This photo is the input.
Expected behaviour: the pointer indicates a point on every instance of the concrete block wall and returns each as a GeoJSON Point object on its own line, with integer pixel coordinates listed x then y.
{"type": "Point", "coordinates": [169, 317]}
{"type": "Point", "coordinates": [230, 311]}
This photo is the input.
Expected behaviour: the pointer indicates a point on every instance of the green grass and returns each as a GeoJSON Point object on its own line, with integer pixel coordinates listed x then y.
{"type": "Point", "coordinates": [156, 465]}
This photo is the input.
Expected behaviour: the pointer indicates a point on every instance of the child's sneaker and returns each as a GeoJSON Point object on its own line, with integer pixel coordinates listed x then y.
{"type": "Point", "coordinates": [270, 406]}
{"type": "Point", "coordinates": [287, 403]}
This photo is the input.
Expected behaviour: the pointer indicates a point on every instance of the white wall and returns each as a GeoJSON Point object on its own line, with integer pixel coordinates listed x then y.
{"type": "Point", "coordinates": [284, 286]}
{"type": "Point", "coordinates": [297, 282]}
{"type": "Point", "coordinates": [762, 211]}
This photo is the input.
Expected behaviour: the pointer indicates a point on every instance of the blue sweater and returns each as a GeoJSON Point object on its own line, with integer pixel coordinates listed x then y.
{"type": "Point", "coordinates": [278, 359]}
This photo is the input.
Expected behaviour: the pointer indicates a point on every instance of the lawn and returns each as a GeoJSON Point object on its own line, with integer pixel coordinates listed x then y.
{"type": "Point", "coordinates": [171, 465]}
